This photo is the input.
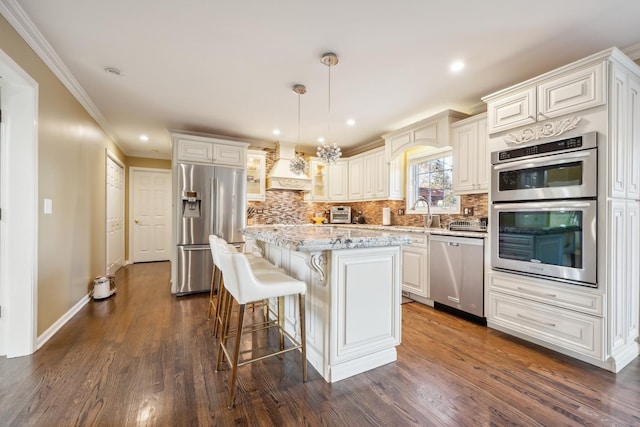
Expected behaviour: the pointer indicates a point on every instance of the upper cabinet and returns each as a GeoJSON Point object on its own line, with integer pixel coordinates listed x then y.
{"type": "Point", "coordinates": [560, 94]}
{"type": "Point", "coordinates": [433, 131]}
{"type": "Point", "coordinates": [199, 148]}
{"type": "Point", "coordinates": [256, 165]}
{"type": "Point", "coordinates": [371, 177]}
{"type": "Point", "coordinates": [328, 182]}
{"type": "Point", "coordinates": [470, 155]}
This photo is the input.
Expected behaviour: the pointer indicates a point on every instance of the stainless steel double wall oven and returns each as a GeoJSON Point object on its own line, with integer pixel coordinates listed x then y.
{"type": "Point", "coordinates": [544, 209]}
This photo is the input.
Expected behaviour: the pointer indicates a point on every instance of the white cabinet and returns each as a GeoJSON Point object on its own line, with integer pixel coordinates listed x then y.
{"type": "Point", "coordinates": [193, 148]}
{"type": "Point", "coordinates": [371, 177]}
{"type": "Point", "coordinates": [415, 277]}
{"type": "Point", "coordinates": [328, 182]}
{"type": "Point", "coordinates": [624, 134]}
{"type": "Point", "coordinates": [339, 180]}
{"type": "Point", "coordinates": [376, 175]}
{"type": "Point", "coordinates": [194, 151]}
{"type": "Point", "coordinates": [256, 175]}
{"type": "Point", "coordinates": [470, 155]}
{"type": "Point", "coordinates": [560, 94]}
{"type": "Point", "coordinates": [356, 177]}
{"type": "Point", "coordinates": [432, 131]}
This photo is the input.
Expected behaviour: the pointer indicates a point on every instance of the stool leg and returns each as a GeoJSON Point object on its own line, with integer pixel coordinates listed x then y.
{"type": "Point", "coordinates": [225, 312]}
{"type": "Point", "coordinates": [303, 336]}
{"type": "Point", "coordinates": [281, 320]}
{"type": "Point", "coordinates": [236, 352]}
{"type": "Point", "coordinates": [219, 305]}
{"type": "Point", "coordinates": [213, 286]}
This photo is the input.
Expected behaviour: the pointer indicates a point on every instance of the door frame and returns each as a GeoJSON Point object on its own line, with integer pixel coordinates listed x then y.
{"type": "Point", "coordinates": [19, 243]}
{"type": "Point", "coordinates": [131, 218]}
{"type": "Point", "coordinates": [116, 160]}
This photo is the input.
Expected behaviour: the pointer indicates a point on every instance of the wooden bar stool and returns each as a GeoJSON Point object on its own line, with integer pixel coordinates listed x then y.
{"type": "Point", "coordinates": [245, 286]}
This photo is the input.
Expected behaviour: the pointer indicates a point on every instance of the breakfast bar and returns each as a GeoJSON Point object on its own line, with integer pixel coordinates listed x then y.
{"type": "Point", "coordinates": [353, 292]}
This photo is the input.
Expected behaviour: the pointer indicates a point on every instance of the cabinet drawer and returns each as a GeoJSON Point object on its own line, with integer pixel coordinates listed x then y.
{"type": "Point", "coordinates": [560, 295]}
{"type": "Point", "coordinates": [419, 240]}
{"type": "Point", "coordinates": [565, 328]}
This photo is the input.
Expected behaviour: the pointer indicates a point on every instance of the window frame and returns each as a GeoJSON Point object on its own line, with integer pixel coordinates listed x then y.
{"type": "Point", "coordinates": [420, 155]}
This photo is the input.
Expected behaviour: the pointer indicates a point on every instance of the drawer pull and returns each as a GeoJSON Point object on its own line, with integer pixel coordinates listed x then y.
{"type": "Point", "coordinates": [541, 294]}
{"type": "Point", "coordinates": [553, 325]}
{"type": "Point", "coordinates": [454, 299]}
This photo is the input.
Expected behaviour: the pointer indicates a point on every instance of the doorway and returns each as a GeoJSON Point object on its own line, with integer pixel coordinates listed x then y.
{"type": "Point", "coordinates": [18, 227]}
{"type": "Point", "coordinates": [115, 213]}
{"type": "Point", "coordinates": [149, 214]}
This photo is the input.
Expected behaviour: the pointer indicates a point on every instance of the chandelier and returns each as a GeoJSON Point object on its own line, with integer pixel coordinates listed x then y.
{"type": "Point", "coordinates": [329, 152]}
{"type": "Point", "coordinates": [299, 165]}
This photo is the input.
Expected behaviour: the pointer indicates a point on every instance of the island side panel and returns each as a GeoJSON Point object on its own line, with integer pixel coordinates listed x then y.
{"type": "Point", "coordinates": [365, 309]}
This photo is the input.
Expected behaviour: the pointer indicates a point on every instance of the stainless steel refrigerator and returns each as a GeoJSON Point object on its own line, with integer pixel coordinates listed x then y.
{"type": "Point", "coordinates": [211, 200]}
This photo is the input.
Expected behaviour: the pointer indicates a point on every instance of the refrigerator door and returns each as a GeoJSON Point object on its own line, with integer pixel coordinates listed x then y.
{"type": "Point", "coordinates": [230, 203]}
{"type": "Point", "coordinates": [195, 267]}
{"type": "Point", "coordinates": [194, 204]}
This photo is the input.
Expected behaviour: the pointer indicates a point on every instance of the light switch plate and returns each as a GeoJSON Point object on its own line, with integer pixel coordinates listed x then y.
{"type": "Point", "coordinates": [48, 206]}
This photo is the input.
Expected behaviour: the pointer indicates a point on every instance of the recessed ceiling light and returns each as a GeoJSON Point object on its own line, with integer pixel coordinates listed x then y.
{"type": "Point", "coordinates": [456, 66]}
{"type": "Point", "coordinates": [351, 122]}
{"type": "Point", "coordinates": [114, 71]}
{"type": "Point", "coordinates": [144, 138]}
{"type": "Point", "coordinates": [321, 139]}
{"type": "Point", "coordinates": [276, 131]}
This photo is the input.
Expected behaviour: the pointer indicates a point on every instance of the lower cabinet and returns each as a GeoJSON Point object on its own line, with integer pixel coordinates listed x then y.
{"type": "Point", "coordinates": [415, 261]}
{"type": "Point", "coordinates": [566, 318]}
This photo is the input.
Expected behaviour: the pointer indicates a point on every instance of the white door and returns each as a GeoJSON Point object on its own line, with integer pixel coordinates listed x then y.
{"type": "Point", "coordinates": [150, 214]}
{"type": "Point", "coordinates": [115, 214]}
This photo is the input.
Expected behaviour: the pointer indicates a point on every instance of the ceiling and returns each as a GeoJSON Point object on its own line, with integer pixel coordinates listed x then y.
{"type": "Point", "coordinates": [228, 67]}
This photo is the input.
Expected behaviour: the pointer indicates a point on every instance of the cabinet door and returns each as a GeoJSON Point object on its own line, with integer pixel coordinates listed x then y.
{"type": "Point", "coordinates": [256, 175]}
{"type": "Point", "coordinates": [633, 140]}
{"type": "Point", "coordinates": [381, 175]}
{"type": "Point", "coordinates": [229, 155]}
{"type": "Point", "coordinates": [356, 177]}
{"type": "Point", "coordinates": [396, 178]}
{"type": "Point", "coordinates": [195, 151]}
{"type": "Point", "coordinates": [573, 92]}
{"type": "Point", "coordinates": [465, 158]}
{"type": "Point", "coordinates": [319, 180]}
{"type": "Point", "coordinates": [512, 110]}
{"type": "Point", "coordinates": [414, 270]}
{"type": "Point", "coordinates": [483, 162]}
{"type": "Point", "coordinates": [339, 180]}
{"type": "Point", "coordinates": [369, 181]}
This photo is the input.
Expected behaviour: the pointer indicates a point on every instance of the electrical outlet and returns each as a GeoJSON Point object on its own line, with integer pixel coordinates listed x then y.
{"type": "Point", "coordinates": [467, 211]}
{"type": "Point", "coordinates": [259, 211]}
{"type": "Point", "coordinates": [400, 211]}
{"type": "Point", "coordinates": [327, 212]}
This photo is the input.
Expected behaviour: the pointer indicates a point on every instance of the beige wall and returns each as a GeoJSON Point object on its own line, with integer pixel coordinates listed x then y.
{"type": "Point", "coordinates": [71, 172]}
{"type": "Point", "coordinates": [137, 162]}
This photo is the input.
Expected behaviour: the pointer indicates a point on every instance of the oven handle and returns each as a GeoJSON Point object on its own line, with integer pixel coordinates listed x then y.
{"type": "Point", "coordinates": [540, 205]}
{"type": "Point", "coordinates": [566, 158]}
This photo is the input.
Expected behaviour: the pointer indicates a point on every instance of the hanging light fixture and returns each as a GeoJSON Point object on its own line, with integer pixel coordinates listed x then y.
{"type": "Point", "coordinates": [299, 165]}
{"type": "Point", "coordinates": [327, 152]}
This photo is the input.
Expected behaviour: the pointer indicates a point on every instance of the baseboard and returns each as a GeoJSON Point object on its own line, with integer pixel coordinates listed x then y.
{"type": "Point", "coordinates": [46, 336]}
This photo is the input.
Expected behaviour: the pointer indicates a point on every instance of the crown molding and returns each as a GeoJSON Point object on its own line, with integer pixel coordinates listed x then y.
{"type": "Point", "coordinates": [632, 51]}
{"type": "Point", "coordinates": [20, 21]}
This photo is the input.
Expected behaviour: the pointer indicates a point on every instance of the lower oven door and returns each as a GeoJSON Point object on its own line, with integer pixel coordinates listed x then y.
{"type": "Point", "coordinates": [554, 239]}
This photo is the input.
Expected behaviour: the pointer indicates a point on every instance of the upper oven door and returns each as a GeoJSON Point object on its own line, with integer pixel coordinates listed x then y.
{"type": "Point", "coordinates": [553, 239]}
{"type": "Point", "coordinates": [559, 176]}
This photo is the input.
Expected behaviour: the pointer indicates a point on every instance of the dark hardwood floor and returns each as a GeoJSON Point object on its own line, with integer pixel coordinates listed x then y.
{"type": "Point", "coordinates": [145, 357]}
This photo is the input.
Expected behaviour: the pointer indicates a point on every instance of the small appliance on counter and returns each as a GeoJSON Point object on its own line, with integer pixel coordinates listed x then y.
{"type": "Point", "coordinates": [340, 215]}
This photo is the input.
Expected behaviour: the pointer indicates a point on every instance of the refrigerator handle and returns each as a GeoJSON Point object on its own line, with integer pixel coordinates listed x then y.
{"type": "Point", "coordinates": [214, 206]}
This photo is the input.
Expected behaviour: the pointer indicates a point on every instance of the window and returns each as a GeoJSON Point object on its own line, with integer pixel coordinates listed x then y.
{"type": "Point", "coordinates": [430, 176]}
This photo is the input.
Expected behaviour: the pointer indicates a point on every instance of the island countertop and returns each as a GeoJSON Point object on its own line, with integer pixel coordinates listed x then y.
{"type": "Point", "coordinates": [309, 238]}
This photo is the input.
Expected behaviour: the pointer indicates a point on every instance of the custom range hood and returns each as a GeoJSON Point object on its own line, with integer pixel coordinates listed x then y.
{"type": "Point", "coordinates": [281, 176]}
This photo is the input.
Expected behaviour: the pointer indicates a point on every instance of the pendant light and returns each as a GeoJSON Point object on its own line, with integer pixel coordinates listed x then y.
{"type": "Point", "coordinates": [299, 165]}
{"type": "Point", "coordinates": [327, 152]}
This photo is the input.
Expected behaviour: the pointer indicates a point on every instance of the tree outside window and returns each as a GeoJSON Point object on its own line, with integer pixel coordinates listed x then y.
{"type": "Point", "coordinates": [433, 179]}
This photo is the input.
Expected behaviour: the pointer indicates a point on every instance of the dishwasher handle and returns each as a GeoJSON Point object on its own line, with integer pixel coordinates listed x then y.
{"type": "Point", "coordinates": [453, 243]}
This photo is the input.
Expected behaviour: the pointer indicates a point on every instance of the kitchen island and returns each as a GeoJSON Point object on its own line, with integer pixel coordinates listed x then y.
{"type": "Point", "coordinates": [353, 292]}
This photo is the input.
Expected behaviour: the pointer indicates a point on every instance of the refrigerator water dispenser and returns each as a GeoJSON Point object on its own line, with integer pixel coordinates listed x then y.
{"type": "Point", "coordinates": [191, 204]}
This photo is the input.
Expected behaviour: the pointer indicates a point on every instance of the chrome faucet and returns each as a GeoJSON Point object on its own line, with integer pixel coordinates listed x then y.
{"type": "Point", "coordinates": [428, 219]}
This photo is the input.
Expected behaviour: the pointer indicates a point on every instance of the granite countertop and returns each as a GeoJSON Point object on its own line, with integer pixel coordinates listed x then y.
{"type": "Point", "coordinates": [408, 229]}
{"type": "Point", "coordinates": [312, 238]}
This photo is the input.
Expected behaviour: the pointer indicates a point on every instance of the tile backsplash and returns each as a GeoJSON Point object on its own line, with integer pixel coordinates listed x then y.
{"type": "Point", "coordinates": [289, 207]}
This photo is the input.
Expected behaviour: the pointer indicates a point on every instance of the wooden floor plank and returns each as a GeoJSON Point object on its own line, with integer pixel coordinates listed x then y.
{"type": "Point", "coordinates": [145, 357]}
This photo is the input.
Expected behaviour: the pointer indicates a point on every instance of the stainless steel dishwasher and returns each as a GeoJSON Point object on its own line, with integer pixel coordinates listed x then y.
{"type": "Point", "coordinates": [456, 272]}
